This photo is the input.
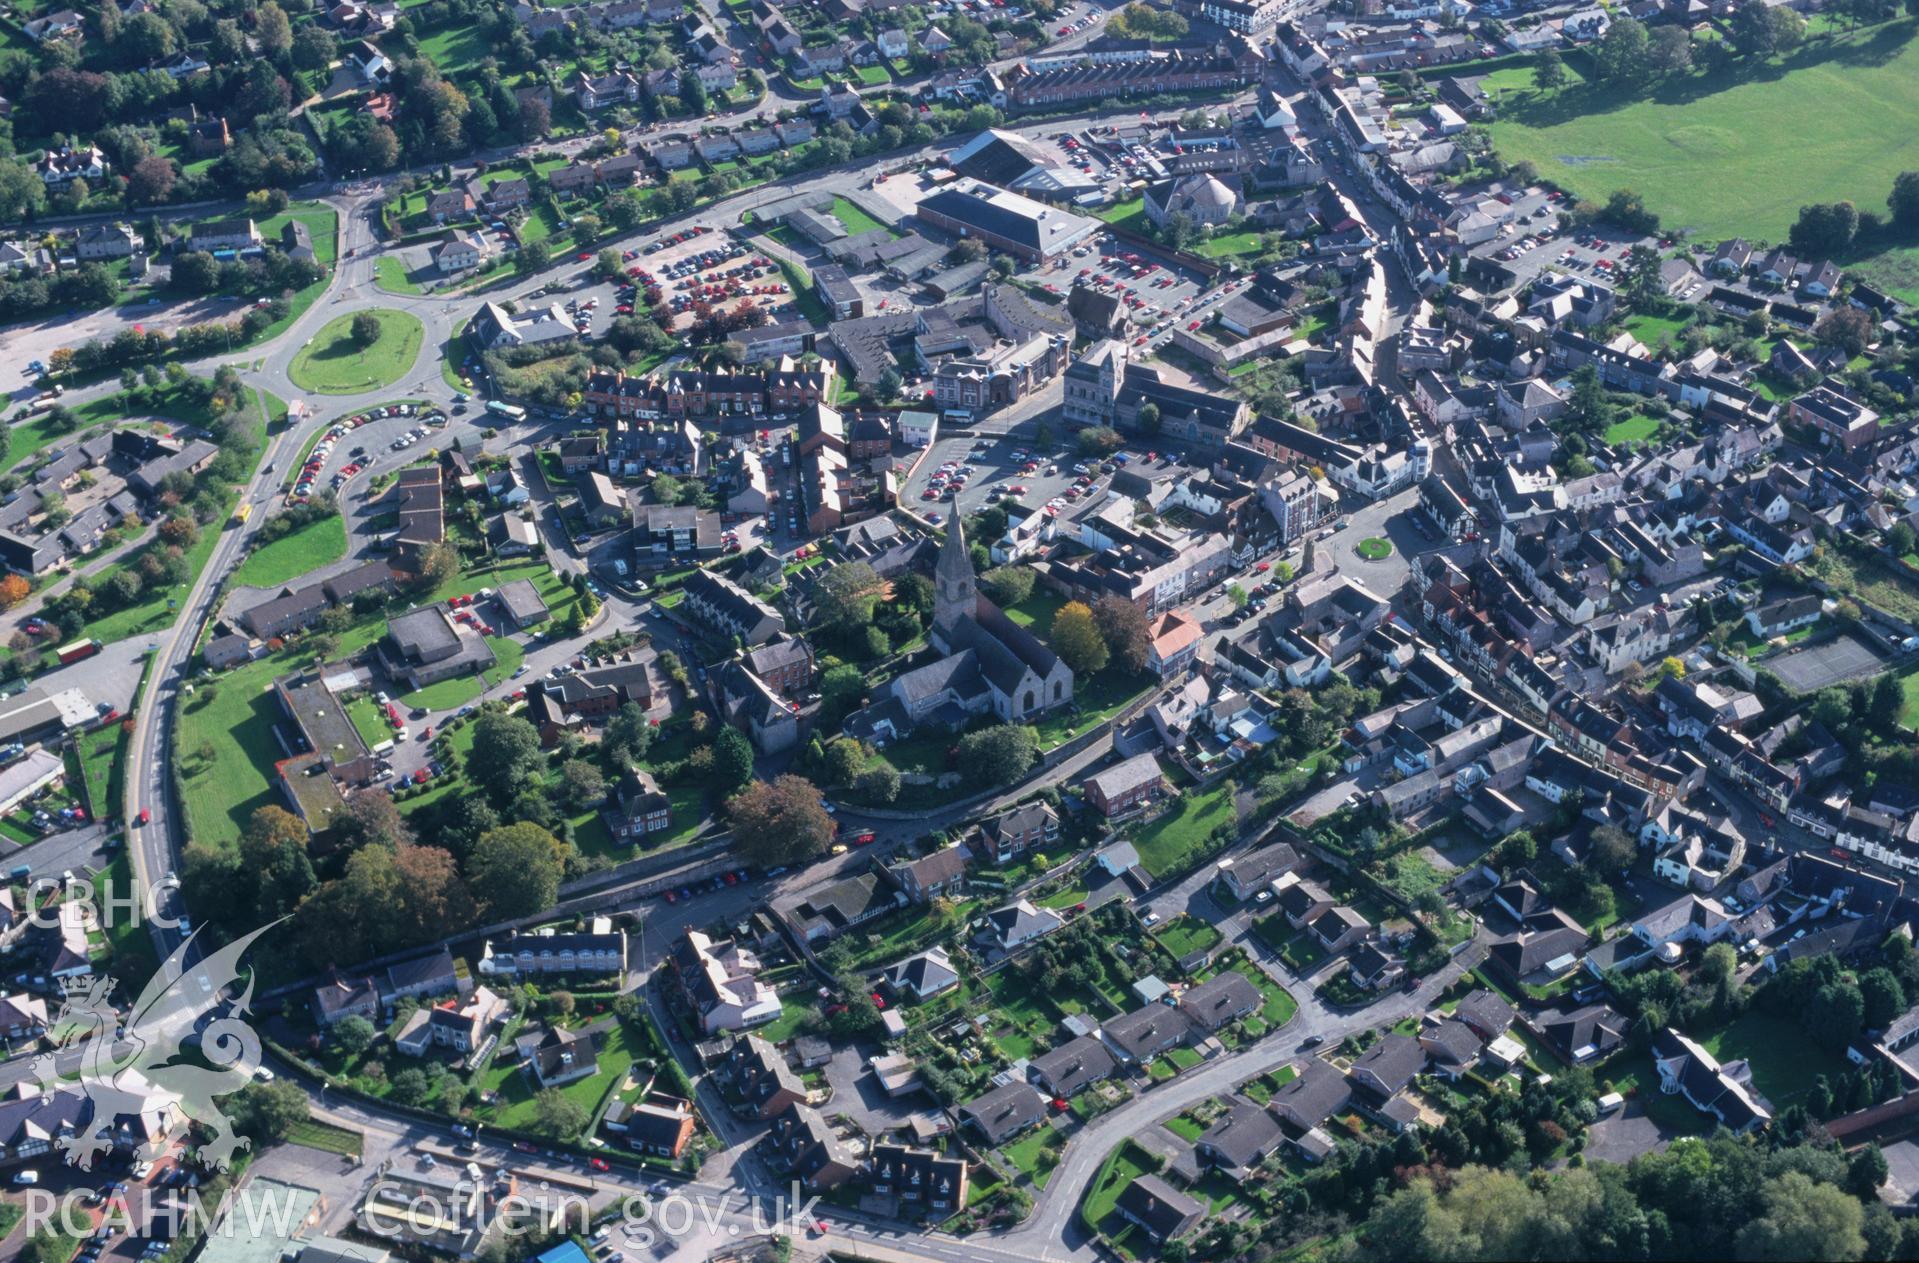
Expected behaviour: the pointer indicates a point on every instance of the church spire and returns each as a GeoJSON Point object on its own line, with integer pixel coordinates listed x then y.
{"type": "Point", "coordinates": [955, 591]}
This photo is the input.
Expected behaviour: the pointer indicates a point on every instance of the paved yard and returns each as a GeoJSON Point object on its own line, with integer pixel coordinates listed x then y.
{"type": "Point", "coordinates": [857, 1093]}
{"type": "Point", "coordinates": [1624, 1135]}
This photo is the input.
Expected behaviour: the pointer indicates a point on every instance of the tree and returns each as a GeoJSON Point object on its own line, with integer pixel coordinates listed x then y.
{"type": "Point", "coordinates": [1888, 699]}
{"type": "Point", "coordinates": [1076, 639]}
{"type": "Point", "coordinates": [1845, 327]}
{"type": "Point", "coordinates": [369, 818]}
{"type": "Point", "coordinates": [515, 871]}
{"type": "Point", "coordinates": [581, 784]}
{"type": "Point", "coordinates": [558, 1115]}
{"type": "Point", "coordinates": [353, 1035]}
{"type": "Point", "coordinates": [1802, 1220]}
{"type": "Point", "coordinates": [1099, 440]}
{"type": "Point", "coordinates": [1621, 55]}
{"type": "Point", "coordinates": [13, 590]}
{"type": "Point", "coordinates": [314, 48]}
{"type": "Point", "coordinates": [268, 1112]}
{"type": "Point", "coordinates": [1642, 282]}
{"type": "Point", "coordinates": [151, 179]}
{"type": "Point", "coordinates": [434, 900]}
{"type": "Point", "coordinates": [1836, 1013]}
{"type": "Point", "coordinates": [999, 755]}
{"type": "Point", "coordinates": [845, 597]}
{"type": "Point", "coordinates": [1122, 625]}
{"type": "Point", "coordinates": [878, 784]}
{"type": "Point", "coordinates": [273, 857]}
{"type": "Point", "coordinates": [1549, 70]}
{"type": "Point", "coordinates": [506, 755]}
{"type": "Point", "coordinates": [1148, 419]}
{"type": "Point", "coordinates": [732, 760]}
{"type": "Point", "coordinates": [1825, 228]}
{"type": "Point", "coordinates": [1008, 585]}
{"type": "Point", "coordinates": [1613, 851]}
{"type": "Point", "coordinates": [693, 94]}
{"type": "Point", "coordinates": [1759, 31]}
{"type": "Point", "coordinates": [365, 329]}
{"type": "Point", "coordinates": [1884, 998]}
{"type": "Point", "coordinates": [843, 760]}
{"type": "Point", "coordinates": [1903, 202]}
{"type": "Point", "coordinates": [841, 689]}
{"type": "Point", "coordinates": [532, 258]}
{"type": "Point", "coordinates": [1627, 209]}
{"type": "Point", "coordinates": [783, 821]}
{"type": "Point", "coordinates": [1669, 50]}
{"type": "Point", "coordinates": [1237, 595]}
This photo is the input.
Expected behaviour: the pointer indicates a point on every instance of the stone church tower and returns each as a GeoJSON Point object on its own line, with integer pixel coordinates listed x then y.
{"type": "Point", "coordinates": [955, 589]}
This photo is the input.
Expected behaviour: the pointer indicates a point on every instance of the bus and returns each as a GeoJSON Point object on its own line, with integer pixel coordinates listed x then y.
{"type": "Point", "coordinates": [512, 412]}
{"type": "Point", "coordinates": [241, 514]}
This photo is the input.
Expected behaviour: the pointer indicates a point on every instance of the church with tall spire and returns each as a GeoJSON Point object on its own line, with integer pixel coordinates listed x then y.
{"type": "Point", "coordinates": [987, 663]}
{"type": "Point", "coordinates": [955, 587]}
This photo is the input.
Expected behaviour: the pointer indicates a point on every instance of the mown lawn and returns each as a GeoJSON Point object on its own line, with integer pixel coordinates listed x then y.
{"type": "Point", "coordinates": [333, 364]}
{"type": "Point", "coordinates": [391, 275]}
{"type": "Point", "coordinates": [1634, 429]}
{"type": "Point", "coordinates": [1124, 1165]}
{"type": "Point", "coordinates": [294, 554]}
{"type": "Point", "coordinates": [516, 1090]}
{"type": "Point", "coordinates": [851, 217]}
{"type": "Point", "coordinates": [1785, 1059]}
{"type": "Point", "coordinates": [1738, 152]}
{"type": "Point", "coordinates": [1166, 844]}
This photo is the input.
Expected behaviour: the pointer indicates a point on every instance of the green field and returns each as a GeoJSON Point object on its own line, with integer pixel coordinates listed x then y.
{"type": "Point", "coordinates": [1373, 548]}
{"type": "Point", "coordinates": [1634, 429]}
{"type": "Point", "coordinates": [1785, 1059]}
{"type": "Point", "coordinates": [295, 554]}
{"type": "Point", "coordinates": [332, 364]}
{"type": "Point", "coordinates": [1165, 844]}
{"type": "Point", "coordinates": [852, 218]}
{"type": "Point", "coordinates": [1124, 1165]}
{"type": "Point", "coordinates": [1737, 153]}
{"type": "Point", "coordinates": [391, 275]}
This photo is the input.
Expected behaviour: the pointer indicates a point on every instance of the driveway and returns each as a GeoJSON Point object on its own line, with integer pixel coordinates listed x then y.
{"type": "Point", "coordinates": [858, 1095]}
{"type": "Point", "coordinates": [1624, 1136]}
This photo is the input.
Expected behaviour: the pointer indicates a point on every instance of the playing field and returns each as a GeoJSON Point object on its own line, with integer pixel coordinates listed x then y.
{"type": "Point", "coordinates": [1736, 154]}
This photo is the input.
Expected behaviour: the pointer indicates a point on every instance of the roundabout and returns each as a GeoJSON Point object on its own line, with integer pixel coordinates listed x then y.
{"type": "Point", "coordinates": [352, 354]}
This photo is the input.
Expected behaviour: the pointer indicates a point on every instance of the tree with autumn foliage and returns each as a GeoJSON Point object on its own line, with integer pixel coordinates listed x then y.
{"type": "Point", "coordinates": [1076, 639]}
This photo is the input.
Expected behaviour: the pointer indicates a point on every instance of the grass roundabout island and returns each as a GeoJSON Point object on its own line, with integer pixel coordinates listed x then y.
{"type": "Point", "coordinates": [362, 351]}
{"type": "Point", "coordinates": [1374, 548]}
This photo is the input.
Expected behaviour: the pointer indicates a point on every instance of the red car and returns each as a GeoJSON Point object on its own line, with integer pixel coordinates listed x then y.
{"type": "Point", "coordinates": [599, 1164]}
{"type": "Point", "coordinates": [145, 815]}
{"type": "Point", "coordinates": [525, 1147]}
{"type": "Point", "coordinates": [863, 838]}
{"type": "Point", "coordinates": [879, 1001]}
{"type": "Point", "coordinates": [419, 776]}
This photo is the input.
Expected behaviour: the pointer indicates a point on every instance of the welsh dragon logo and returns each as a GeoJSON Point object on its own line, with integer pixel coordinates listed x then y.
{"type": "Point", "coordinates": [142, 1066]}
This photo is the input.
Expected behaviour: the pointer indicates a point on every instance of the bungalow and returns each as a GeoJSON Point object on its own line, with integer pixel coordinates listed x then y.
{"type": "Point", "coordinates": [1389, 1066]}
{"type": "Point", "coordinates": [1020, 923]}
{"type": "Point", "coordinates": [1073, 1066]}
{"type": "Point", "coordinates": [1161, 1211]}
{"type": "Point", "coordinates": [1724, 1091]}
{"type": "Point", "coordinates": [1004, 1112]}
{"type": "Point", "coordinates": [1243, 1137]}
{"type": "Point", "coordinates": [924, 976]}
{"type": "Point", "coordinates": [1147, 1031]}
